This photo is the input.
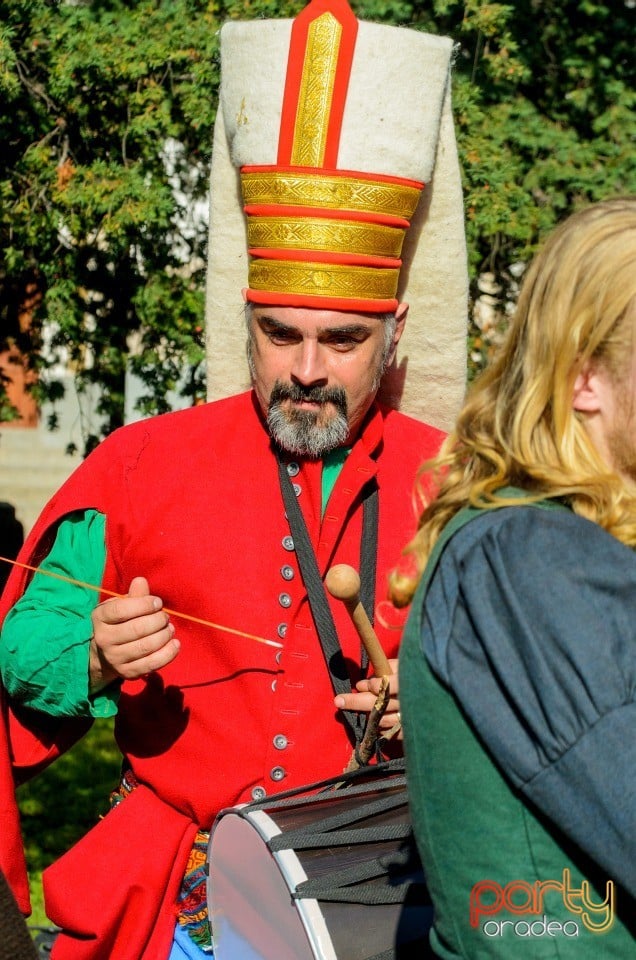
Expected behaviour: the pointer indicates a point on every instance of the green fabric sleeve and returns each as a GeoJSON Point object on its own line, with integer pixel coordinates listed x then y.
{"type": "Point", "coordinates": [44, 645]}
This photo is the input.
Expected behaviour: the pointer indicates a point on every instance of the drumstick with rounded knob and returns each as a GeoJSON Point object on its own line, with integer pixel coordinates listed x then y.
{"type": "Point", "coordinates": [343, 583]}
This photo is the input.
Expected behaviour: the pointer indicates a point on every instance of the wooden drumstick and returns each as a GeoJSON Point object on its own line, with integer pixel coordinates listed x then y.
{"type": "Point", "coordinates": [343, 583]}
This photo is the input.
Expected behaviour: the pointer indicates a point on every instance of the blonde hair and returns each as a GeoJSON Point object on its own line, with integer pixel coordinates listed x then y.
{"type": "Point", "coordinates": [518, 426]}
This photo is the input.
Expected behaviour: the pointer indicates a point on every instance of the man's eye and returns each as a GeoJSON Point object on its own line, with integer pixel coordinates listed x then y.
{"type": "Point", "coordinates": [344, 342]}
{"type": "Point", "coordinates": [280, 336]}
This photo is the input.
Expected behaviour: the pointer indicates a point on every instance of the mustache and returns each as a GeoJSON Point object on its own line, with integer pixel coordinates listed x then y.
{"type": "Point", "coordinates": [296, 392]}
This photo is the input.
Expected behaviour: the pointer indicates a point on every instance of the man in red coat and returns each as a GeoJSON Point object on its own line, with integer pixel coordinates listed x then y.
{"type": "Point", "coordinates": [195, 519]}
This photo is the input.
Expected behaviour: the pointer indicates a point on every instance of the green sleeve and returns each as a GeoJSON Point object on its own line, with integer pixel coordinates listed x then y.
{"type": "Point", "coordinates": [44, 646]}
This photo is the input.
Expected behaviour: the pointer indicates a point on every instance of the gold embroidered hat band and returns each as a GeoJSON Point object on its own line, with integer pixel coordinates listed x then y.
{"type": "Point", "coordinates": [313, 236]}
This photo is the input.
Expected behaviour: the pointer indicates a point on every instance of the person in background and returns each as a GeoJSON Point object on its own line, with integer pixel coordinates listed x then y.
{"type": "Point", "coordinates": [15, 940]}
{"type": "Point", "coordinates": [518, 662]}
{"type": "Point", "coordinates": [11, 539]}
{"type": "Point", "coordinates": [205, 522]}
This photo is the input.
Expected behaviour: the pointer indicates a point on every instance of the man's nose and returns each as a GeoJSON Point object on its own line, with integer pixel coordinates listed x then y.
{"type": "Point", "coordinates": [308, 367]}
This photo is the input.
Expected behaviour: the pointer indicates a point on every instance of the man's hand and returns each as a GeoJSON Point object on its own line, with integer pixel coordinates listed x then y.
{"type": "Point", "coordinates": [132, 636]}
{"type": "Point", "coordinates": [364, 699]}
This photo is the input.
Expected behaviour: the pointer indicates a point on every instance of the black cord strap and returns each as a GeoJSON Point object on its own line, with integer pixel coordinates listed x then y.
{"type": "Point", "coordinates": [318, 602]}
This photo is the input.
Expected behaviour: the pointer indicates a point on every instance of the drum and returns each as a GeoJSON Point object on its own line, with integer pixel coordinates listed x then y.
{"type": "Point", "coordinates": [327, 873]}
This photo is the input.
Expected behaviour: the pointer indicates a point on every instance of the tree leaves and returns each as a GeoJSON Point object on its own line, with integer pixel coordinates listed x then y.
{"type": "Point", "coordinates": [92, 95]}
{"type": "Point", "coordinates": [106, 120]}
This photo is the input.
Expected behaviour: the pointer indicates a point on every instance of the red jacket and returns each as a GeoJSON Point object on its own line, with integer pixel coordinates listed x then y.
{"type": "Point", "coordinates": [192, 503]}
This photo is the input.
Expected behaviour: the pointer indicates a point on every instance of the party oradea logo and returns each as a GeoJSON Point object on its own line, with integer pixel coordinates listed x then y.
{"type": "Point", "coordinates": [545, 908]}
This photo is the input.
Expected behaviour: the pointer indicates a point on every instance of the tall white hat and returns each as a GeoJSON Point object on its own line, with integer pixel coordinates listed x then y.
{"type": "Point", "coordinates": [335, 184]}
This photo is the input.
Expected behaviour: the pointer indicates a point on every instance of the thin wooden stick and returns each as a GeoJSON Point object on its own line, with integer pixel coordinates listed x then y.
{"type": "Point", "coordinates": [121, 596]}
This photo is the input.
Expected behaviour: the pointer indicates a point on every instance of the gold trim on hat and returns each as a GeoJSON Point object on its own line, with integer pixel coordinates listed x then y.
{"type": "Point", "coordinates": [307, 233]}
{"type": "Point", "coordinates": [323, 279]}
{"type": "Point", "coordinates": [316, 91]}
{"type": "Point", "coordinates": [334, 192]}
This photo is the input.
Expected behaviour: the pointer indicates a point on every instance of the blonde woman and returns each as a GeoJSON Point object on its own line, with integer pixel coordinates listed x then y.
{"type": "Point", "coordinates": [518, 666]}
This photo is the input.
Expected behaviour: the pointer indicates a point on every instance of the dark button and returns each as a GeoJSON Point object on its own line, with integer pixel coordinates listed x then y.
{"type": "Point", "coordinates": [288, 543]}
{"type": "Point", "coordinates": [274, 684]}
{"type": "Point", "coordinates": [293, 469]}
{"type": "Point", "coordinates": [297, 489]}
{"type": "Point", "coordinates": [287, 572]}
{"type": "Point", "coordinates": [280, 741]}
{"type": "Point", "coordinates": [279, 655]}
{"type": "Point", "coordinates": [284, 599]}
{"type": "Point", "coordinates": [259, 793]}
{"type": "Point", "coordinates": [277, 773]}
{"type": "Point", "coordinates": [281, 630]}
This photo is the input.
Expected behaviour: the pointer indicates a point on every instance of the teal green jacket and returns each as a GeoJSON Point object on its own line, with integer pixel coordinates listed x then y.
{"type": "Point", "coordinates": [517, 687]}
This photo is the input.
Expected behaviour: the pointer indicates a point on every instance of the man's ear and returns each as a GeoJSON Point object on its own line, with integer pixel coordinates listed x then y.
{"type": "Point", "coordinates": [400, 316]}
{"type": "Point", "coordinates": [400, 319]}
{"type": "Point", "coordinates": [244, 294]}
{"type": "Point", "coordinates": [586, 392]}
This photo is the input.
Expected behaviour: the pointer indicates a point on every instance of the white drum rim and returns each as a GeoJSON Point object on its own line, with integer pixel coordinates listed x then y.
{"type": "Point", "coordinates": [290, 867]}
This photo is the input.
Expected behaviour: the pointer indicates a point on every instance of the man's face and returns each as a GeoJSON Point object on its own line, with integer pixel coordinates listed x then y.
{"type": "Point", "coordinates": [316, 372]}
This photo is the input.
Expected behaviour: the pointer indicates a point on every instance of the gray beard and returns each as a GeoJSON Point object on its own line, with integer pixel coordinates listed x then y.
{"type": "Point", "coordinates": [301, 431]}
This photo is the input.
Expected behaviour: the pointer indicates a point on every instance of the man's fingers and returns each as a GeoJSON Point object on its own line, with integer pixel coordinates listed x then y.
{"type": "Point", "coordinates": [153, 659]}
{"type": "Point", "coordinates": [389, 720]}
{"type": "Point", "coordinates": [136, 645]}
{"type": "Point", "coordinates": [138, 587]}
{"type": "Point", "coordinates": [122, 609]}
{"type": "Point", "coordinates": [133, 635]}
{"type": "Point", "coordinates": [372, 684]}
{"type": "Point", "coordinates": [135, 630]}
{"type": "Point", "coordinates": [363, 702]}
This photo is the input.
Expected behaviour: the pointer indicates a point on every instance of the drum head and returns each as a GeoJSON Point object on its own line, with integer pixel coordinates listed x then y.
{"type": "Point", "coordinates": [252, 912]}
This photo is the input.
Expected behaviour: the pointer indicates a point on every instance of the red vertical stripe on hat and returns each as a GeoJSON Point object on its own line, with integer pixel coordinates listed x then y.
{"type": "Point", "coordinates": [343, 13]}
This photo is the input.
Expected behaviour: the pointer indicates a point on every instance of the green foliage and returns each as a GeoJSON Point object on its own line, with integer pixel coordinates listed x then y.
{"type": "Point", "coordinates": [60, 805]}
{"type": "Point", "coordinates": [107, 105]}
{"type": "Point", "coordinates": [544, 102]}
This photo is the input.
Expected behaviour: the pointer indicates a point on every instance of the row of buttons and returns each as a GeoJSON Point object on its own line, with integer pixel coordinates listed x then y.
{"type": "Point", "coordinates": [288, 573]}
{"type": "Point", "coordinates": [276, 773]}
